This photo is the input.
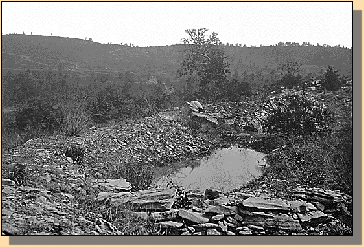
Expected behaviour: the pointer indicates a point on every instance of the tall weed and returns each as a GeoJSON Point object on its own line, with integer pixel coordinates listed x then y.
{"type": "Point", "coordinates": [76, 119]}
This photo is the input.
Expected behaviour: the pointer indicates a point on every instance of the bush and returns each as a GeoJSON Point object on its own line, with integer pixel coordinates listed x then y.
{"type": "Point", "coordinates": [76, 119]}
{"type": "Point", "coordinates": [235, 88]}
{"type": "Point", "coordinates": [139, 175]}
{"type": "Point", "coordinates": [290, 81]}
{"type": "Point", "coordinates": [106, 104]}
{"type": "Point", "coordinates": [291, 112]}
{"type": "Point", "coordinates": [331, 81]}
{"type": "Point", "coordinates": [39, 114]}
{"type": "Point", "coordinates": [18, 173]}
{"type": "Point", "coordinates": [314, 162]}
{"type": "Point", "coordinates": [344, 153]}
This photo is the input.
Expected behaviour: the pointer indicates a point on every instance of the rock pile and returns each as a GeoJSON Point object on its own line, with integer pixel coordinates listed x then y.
{"type": "Point", "coordinates": [235, 213]}
{"type": "Point", "coordinates": [183, 212]}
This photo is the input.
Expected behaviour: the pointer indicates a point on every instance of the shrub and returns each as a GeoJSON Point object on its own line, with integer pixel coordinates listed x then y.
{"type": "Point", "coordinates": [344, 153]}
{"type": "Point", "coordinates": [18, 173]}
{"type": "Point", "coordinates": [76, 153]}
{"type": "Point", "coordinates": [235, 88]}
{"type": "Point", "coordinates": [331, 81]}
{"type": "Point", "coordinates": [314, 162]}
{"type": "Point", "coordinates": [106, 104]}
{"type": "Point", "coordinates": [76, 119]}
{"type": "Point", "coordinates": [39, 114]}
{"type": "Point", "coordinates": [290, 81]}
{"type": "Point", "coordinates": [139, 175]}
{"type": "Point", "coordinates": [291, 112]}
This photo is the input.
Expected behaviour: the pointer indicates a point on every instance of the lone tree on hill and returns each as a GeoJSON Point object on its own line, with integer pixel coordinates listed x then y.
{"type": "Point", "coordinates": [331, 80]}
{"type": "Point", "coordinates": [203, 58]}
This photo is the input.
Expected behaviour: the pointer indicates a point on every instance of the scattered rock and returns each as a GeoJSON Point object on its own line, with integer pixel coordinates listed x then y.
{"type": "Point", "coordinates": [325, 197]}
{"type": "Point", "coordinates": [8, 190]}
{"type": "Point", "coordinates": [6, 212]}
{"type": "Point", "coordinates": [223, 226]}
{"type": "Point", "coordinates": [284, 222]}
{"type": "Point", "coordinates": [232, 220]}
{"type": "Point", "coordinates": [8, 182]}
{"type": "Point", "coordinates": [218, 217]}
{"type": "Point", "coordinates": [191, 229]}
{"type": "Point", "coordinates": [314, 217]}
{"type": "Point", "coordinates": [168, 215]}
{"type": "Point", "coordinates": [319, 206]}
{"type": "Point", "coordinates": [256, 228]}
{"type": "Point", "coordinates": [212, 232]}
{"type": "Point", "coordinates": [238, 217]}
{"type": "Point", "coordinates": [9, 230]}
{"type": "Point", "coordinates": [245, 232]}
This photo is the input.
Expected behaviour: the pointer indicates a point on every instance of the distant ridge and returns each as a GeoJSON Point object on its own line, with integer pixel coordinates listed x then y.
{"type": "Point", "coordinates": [46, 52]}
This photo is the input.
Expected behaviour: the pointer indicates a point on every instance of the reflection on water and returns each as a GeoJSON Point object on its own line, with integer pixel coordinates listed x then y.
{"type": "Point", "coordinates": [225, 170]}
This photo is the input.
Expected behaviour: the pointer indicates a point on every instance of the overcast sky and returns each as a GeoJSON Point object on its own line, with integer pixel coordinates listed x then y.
{"type": "Point", "coordinates": [164, 23]}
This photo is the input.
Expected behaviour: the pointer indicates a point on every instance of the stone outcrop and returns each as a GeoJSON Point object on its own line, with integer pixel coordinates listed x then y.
{"type": "Point", "coordinates": [237, 213]}
{"type": "Point", "coordinates": [181, 212]}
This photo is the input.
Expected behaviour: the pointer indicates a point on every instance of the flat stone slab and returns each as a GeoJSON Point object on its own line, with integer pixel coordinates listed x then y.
{"type": "Point", "coordinates": [170, 224]}
{"type": "Point", "coordinates": [206, 225]}
{"type": "Point", "coordinates": [265, 204]}
{"type": "Point", "coordinates": [157, 200]}
{"type": "Point", "coordinates": [192, 216]}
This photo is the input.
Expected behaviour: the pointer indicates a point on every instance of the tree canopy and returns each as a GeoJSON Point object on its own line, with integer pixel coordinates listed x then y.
{"type": "Point", "coordinates": [203, 59]}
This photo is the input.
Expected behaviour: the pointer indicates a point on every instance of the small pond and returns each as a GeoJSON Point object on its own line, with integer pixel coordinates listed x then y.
{"type": "Point", "coordinates": [225, 169]}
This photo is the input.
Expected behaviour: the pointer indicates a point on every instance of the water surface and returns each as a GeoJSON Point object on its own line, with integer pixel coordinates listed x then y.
{"type": "Point", "coordinates": [225, 169]}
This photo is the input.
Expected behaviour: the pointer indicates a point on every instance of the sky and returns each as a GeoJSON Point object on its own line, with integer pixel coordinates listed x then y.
{"type": "Point", "coordinates": [164, 23]}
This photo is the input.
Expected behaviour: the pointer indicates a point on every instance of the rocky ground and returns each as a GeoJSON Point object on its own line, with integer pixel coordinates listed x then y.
{"type": "Point", "coordinates": [53, 195]}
